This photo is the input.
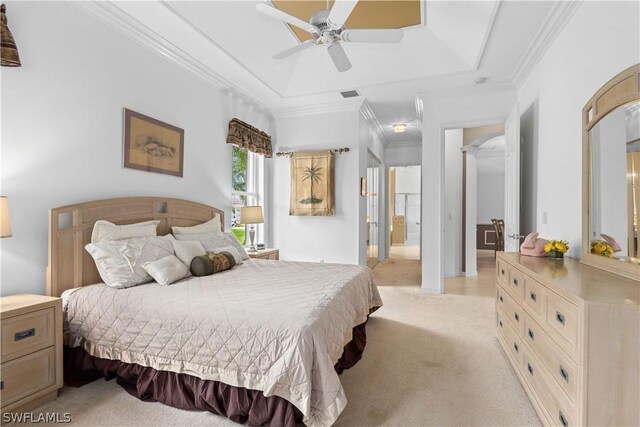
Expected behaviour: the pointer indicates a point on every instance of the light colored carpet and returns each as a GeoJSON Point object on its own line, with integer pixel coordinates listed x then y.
{"type": "Point", "coordinates": [404, 251]}
{"type": "Point", "coordinates": [429, 360]}
{"type": "Point", "coordinates": [398, 272]}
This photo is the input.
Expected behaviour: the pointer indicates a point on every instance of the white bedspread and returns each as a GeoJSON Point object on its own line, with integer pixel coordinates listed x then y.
{"type": "Point", "coordinates": [278, 327]}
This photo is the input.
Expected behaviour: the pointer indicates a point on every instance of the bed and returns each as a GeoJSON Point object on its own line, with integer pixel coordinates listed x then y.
{"type": "Point", "coordinates": [261, 343]}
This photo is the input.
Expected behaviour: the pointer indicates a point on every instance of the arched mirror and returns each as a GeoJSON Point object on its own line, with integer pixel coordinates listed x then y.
{"type": "Point", "coordinates": [611, 176]}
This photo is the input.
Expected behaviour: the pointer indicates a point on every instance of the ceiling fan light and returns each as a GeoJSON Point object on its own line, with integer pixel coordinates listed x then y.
{"type": "Point", "coordinates": [399, 128]}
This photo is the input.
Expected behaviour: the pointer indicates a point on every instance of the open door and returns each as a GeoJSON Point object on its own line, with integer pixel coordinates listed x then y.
{"type": "Point", "coordinates": [512, 182]}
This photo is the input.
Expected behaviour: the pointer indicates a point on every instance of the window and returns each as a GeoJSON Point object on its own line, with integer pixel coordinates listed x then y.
{"type": "Point", "coordinates": [247, 189]}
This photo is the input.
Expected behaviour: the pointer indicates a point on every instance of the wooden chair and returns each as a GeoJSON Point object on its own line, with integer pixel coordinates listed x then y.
{"type": "Point", "coordinates": [498, 225]}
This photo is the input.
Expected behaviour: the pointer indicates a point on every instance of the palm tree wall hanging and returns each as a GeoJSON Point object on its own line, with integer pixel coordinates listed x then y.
{"type": "Point", "coordinates": [312, 186]}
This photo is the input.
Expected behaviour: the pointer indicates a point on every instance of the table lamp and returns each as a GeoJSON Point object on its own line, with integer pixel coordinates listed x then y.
{"type": "Point", "coordinates": [251, 215]}
{"type": "Point", "coordinates": [5, 222]}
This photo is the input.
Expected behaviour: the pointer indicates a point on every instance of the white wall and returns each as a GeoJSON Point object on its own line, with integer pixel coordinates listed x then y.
{"type": "Point", "coordinates": [453, 202]}
{"type": "Point", "coordinates": [407, 179]}
{"type": "Point", "coordinates": [62, 127]}
{"type": "Point", "coordinates": [490, 188]}
{"type": "Point", "coordinates": [600, 40]}
{"type": "Point", "coordinates": [329, 238]}
{"type": "Point", "coordinates": [401, 154]}
{"type": "Point", "coordinates": [485, 106]}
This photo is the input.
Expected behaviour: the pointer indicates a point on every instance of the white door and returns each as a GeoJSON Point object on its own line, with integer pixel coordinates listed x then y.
{"type": "Point", "coordinates": [512, 182]}
{"type": "Point", "coordinates": [413, 219]}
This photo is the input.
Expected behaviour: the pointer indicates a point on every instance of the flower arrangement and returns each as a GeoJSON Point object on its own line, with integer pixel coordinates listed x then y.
{"type": "Point", "coordinates": [601, 247]}
{"type": "Point", "coordinates": [556, 248]}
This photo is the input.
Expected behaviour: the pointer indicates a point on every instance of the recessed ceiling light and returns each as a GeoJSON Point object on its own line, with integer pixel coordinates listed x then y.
{"type": "Point", "coordinates": [400, 127]}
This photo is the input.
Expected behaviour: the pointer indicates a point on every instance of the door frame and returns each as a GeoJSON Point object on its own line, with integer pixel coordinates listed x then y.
{"type": "Point", "coordinates": [388, 216]}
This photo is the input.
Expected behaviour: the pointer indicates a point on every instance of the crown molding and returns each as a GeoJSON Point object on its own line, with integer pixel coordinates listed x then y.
{"type": "Point", "coordinates": [352, 104]}
{"type": "Point", "coordinates": [136, 31]}
{"type": "Point", "coordinates": [370, 117]}
{"type": "Point", "coordinates": [487, 34]}
{"type": "Point", "coordinates": [556, 20]}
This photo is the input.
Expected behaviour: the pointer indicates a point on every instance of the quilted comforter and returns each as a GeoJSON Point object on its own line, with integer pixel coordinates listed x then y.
{"type": "Point", "coordinates": [278, 327]}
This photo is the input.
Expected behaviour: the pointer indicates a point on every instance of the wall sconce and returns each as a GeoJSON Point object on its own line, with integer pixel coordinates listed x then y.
{"type": "Point", "coordinates": [9, 51]}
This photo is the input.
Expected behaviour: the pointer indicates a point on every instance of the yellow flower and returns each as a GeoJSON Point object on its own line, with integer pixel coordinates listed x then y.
{"type": "Point", "coordinates": [548, 247]}
{"type": "Point", "coordinates": [562, 247]}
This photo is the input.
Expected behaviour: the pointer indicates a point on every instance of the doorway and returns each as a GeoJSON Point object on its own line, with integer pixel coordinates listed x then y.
{"type": "Point", "coordinates": [405, 212]}
{"type": "Point", "coordinates": [373, 206]}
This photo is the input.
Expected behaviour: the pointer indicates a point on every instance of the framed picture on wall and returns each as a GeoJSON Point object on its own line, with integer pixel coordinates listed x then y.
{"type": "Point", "coordinates": [151, 145]}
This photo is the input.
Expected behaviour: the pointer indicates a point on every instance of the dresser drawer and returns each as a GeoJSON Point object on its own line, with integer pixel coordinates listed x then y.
{"type": "Point", "coordinates": [559, 366]}
{"type": "Point", "coordinates": [535, 296]}
{"type": "Point", "coordinates": [516, 284]}
{"type": "Point", "coordinates": [26, 375]}
{"type": "Point", "coordinates": [511, 339]}
{"type": "Point", "coordinates": [513, 312]}
{"type": "Point", "coordinates": [502, 271]}
{"type": "Point", "coordinates": [562, 316]}
{"type": "Point", "coordinates": [559, 410]}
{"type": "Point", "coordinates": [27, 333]}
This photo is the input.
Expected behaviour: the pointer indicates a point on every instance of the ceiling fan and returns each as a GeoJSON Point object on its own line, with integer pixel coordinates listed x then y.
{"type": "Point", "coordinates": [327, 28]}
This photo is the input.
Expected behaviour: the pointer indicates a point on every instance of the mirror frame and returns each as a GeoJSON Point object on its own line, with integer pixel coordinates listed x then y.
{"type": "Point", "coordinates": [620, 90]}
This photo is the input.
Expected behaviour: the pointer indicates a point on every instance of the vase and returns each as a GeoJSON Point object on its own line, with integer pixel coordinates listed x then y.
{"type": "Point", "coordinates": [556, 255]}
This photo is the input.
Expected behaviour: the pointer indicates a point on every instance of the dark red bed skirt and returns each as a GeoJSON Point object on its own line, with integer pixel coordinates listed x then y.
{"type": "Point", "coordinates": [188, 392]}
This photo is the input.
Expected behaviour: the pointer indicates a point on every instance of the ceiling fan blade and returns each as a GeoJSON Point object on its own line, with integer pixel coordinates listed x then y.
{"type": "Point", "coordinates": [278, 14]}
{"type": "Point", "coordinates": [340, 13]}
{"type": "Point", "coordinates": [297, 48]}
{"type": "Point", "coordinates": [372, 36]}
{"type": "Point", "coordinates": [339, 57]}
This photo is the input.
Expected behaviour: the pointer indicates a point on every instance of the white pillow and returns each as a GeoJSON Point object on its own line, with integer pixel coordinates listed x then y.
{"type": "Point", "coordinates": [166, 270]}
{"type": "Point", "coordinates": [105, 231]}
{"type": "Point", "coordinates": [233, 252]}
{"type": "Point", "coordinates": [120, 262]}
{"type": "Point", "coordinates": [236, 244]}
{"type": "Point", "coordinates": [187, 250]}
{"type": "Point", "coordinates": [211, 226]}
{"type": "Point", "coordinates": [211, 242]}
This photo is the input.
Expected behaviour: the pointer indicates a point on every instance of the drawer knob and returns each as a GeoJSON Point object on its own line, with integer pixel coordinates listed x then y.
{"type": "Point", "coordinates": [530, 368]}
{"type": "Point", "coordinates": [501, 300]}
{"type": "Point", "coordinates": [515, 346]}
{"type": "Point", "coordinates": [25, 334]}
{"type": "Point", "coordinates": [533, 296]}
{"type": "Point", "coordinates": [562, 419]}
{"type": "Point", "coordinates": [515, 282]}
{"type": "Point", "coordinates": [1, 385]}
{"type": "Point", "coordinates": [500, 322]}
{"type": "Point", "coordinates": [516, 316]}
{"type": "Point", "coordinates": [531, 334]}
{"type": "Point", "coordinates": [502, 271]}
{"type": "Point", "coordinates": [560, 317]}
{"type": "Point", "coordinates": [564, 374]}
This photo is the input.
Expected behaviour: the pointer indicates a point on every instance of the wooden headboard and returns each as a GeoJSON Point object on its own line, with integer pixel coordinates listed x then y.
{"type": "Point", "coordinates": [70, 227]}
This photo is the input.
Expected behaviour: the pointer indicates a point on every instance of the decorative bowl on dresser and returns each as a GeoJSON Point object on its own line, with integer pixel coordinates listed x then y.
{"type": "Point", "coordinates": [572, 335]}
{"type": "Point", "coordinates": [31, 355]}
{"type": "Point", "coordinates": [272, 254]}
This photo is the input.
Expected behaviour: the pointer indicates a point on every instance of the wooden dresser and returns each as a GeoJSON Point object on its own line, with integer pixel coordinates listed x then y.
{"type": "Point", "coordinates": [272, 254]}
{"type": "Point", "coordinates": [31, 362]}
{"type": "Point", "coordinates": [572, 335]}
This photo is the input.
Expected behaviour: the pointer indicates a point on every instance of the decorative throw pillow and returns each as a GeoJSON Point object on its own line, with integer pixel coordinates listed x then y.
{"type": "Point", "coordinates": [187, 250]}
{"type": "Point", "coordinates": [211, 226]}
{"type": "Point", "coordinates": [105, 231]}
{"type": "Point", "coordinates": [120, 262]}
{"type": "Point", "coordinates": [212, 263]}
{"type": "Point", "coordinates": [236, 244]}
{"type": "Point", "coordinates": [166, 270]}
{"type": "Point", "coordinates": [230, 249]}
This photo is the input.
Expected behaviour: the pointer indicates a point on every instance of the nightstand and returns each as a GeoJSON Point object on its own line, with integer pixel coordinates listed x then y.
{"type": "Point", "coordinates": [272, 254]}
{"type": "Point", "coordinates": [31, 355]}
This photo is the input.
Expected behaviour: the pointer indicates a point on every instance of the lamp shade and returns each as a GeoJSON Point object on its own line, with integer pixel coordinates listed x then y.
{"type": "Point", "coordinates": [9, 51]}
{"type": "Point", "coordinates": [251, 215]}
{"type": "Point", "coordinates": [5, 222]}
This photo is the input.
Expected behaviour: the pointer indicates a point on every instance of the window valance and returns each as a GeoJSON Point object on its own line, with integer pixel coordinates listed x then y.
{"type": "Point", "coordinates": [246, 136]}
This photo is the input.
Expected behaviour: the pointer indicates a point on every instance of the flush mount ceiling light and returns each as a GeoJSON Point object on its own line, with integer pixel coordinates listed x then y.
{"type": "Point", "coordinates": [399, 128]}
